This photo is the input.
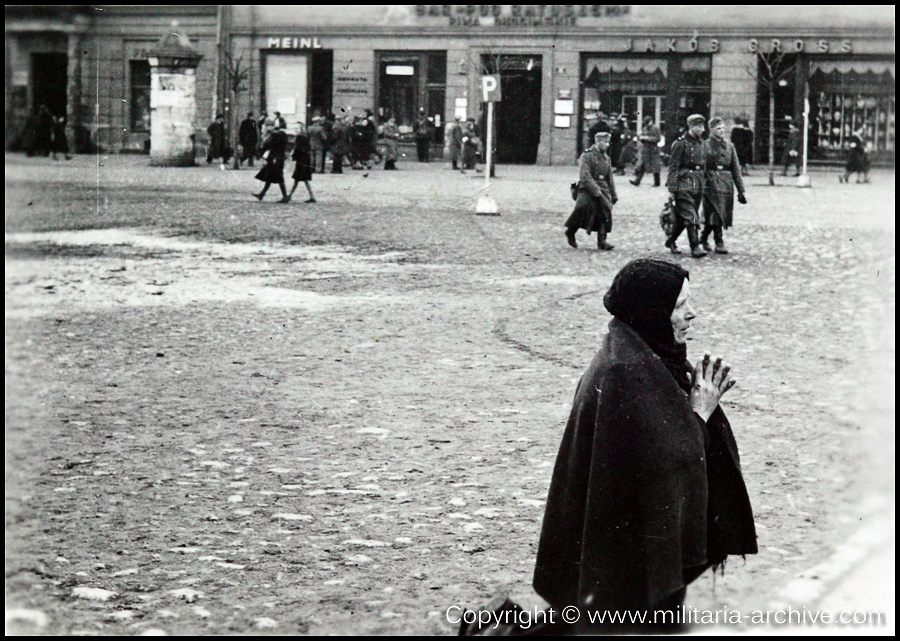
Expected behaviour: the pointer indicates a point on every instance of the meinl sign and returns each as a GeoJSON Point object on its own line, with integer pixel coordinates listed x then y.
{"type": "Point", "coordinates": [289, 42]}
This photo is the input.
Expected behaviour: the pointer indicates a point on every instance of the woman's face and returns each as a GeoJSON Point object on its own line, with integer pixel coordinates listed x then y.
{"type": "Point", "coordinates": [683, 314]}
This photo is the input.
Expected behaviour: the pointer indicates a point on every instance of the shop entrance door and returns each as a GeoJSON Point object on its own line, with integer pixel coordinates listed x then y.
{"type": "Point", "coordinates": [399, 99]}
{"type": "Point", "coordinates": [49, 80]}
{"type": "Point", "coordinates": [636, 107]}
{"type": "Point", "coordinates": [518, 114]}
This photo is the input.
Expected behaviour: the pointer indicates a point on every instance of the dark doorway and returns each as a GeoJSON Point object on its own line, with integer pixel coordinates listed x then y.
{"type": "Point", "coordinates": [518, 115]}
{"type": "Point", "coordinates": [49, 81]}
{"type": "Point", "coordinates": [320, 91]}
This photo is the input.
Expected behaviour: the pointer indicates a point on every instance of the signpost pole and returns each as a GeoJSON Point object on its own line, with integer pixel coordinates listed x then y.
{"type": "Point", "coordinates": [803, 178]}
{"type": "Point", "coordinates": [490, 145]}
{"type": "Point", "coordinates": [490, 93]}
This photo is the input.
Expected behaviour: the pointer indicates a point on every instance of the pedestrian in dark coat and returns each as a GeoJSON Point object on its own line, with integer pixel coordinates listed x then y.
{"type": "Point", "coordinates": [60, 142]}
{"type": "Point", "coordinates": [44, 131]}
{"type": "Point", "coordinates": [649, 162]}
{"type": "Point", "coordinates": [723, 174]}
{"type": "Point", "coordinates": [857, 158]}
{"type": "Point", "coordinates": [216, 131]}
{"type": "Point", "coordinates": [274, 149]}
{"type": "Point", "coordinates": [596, 194]}
{"type": "Point", "coordinates": [742, 139]}
{"type": "Point", "coordinates": [304, 167]}
{"type": "Point", "coordinates": [647, 492]}
{"type": "Point", "coordinates": [599, 126]}
{"type": "Point", "coordinates": [248, 136]}
{"type": "Point", "coordinates": [423, 129]}
{"type": "Point", "coordinates": [341, 146]}
{"type": "Point", "coordinates": [687, 177]}
{"type": "Point", "coordinates": [620, 136]}
{"type": "Point", "coordinates": [359, 143]}
{"type": "Point", "coordinates": [328, 128]}
{"type": "Point", "coordinates": [792, 150]}
{"type": "Point", "coordinates": [370, 148]}
{"type": "Point", "coordinates": [471, 143]}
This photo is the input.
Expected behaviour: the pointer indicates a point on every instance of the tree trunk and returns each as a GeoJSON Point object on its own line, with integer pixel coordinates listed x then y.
{"type": "Point", "coordinates": [234, 130]}
{"type": "Point", "coordinates": [772, 134]}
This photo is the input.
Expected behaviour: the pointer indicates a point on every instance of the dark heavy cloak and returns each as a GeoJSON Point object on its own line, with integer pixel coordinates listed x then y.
{"type": "Point", "coordinates": [643, 498]}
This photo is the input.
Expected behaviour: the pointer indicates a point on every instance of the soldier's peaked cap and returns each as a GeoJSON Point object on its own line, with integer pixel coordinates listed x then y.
{"type": "Point", "coordinates": [695, 119]}
{"type": "Point", "coordinates": [715, 122]}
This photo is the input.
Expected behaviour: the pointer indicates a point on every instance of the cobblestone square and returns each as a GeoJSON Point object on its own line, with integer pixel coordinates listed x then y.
{"type": "Point", "coordinates": [226, 416]}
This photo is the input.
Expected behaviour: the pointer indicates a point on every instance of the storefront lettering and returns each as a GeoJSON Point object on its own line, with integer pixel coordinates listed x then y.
{"type": "Point", "coordinates": [673, 45]}
{"type": "Point", "coordinates": [519, 14]}
{"type": "Point", "coordinates": [294, 43]}
{"type": "Point", "coordinates": [798, 45]}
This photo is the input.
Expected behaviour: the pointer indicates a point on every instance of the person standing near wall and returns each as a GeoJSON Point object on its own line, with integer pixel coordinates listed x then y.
{"type": "Point", "coordinates": [454, 137]}
{"type": "Point", "coordinates": [742, 139]}
{"type": "Point", "coordinates": [248, 136]}
{"type": "Point", "coordinates": [391, 133]}
{"type": "Point", "coordinates": [650, 161]}
{"type": "Point", "coordinates": [423, 130]}
{"type": "Point", "coordinates": [317, 143]}
{"type": "Point", "coordinates": [857, 158]}
{"type": "Point", "coordinates": [216, 131]}
{"type": "Point", "coordinates": [792, 149]}
{"type": "Point", "coordinates": [340, 148]}
{"type": "Point", "coordinates": [60, 142]}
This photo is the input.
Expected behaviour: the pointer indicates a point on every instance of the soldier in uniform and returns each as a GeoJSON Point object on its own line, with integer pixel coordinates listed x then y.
{"type": "Point", "coordinates": [685, 183]}
{"type": "Point", "coordinates": [596, 194]}
{"type": "Point", "coordinates": [723, 174]}
{"type": "Point", "coordinates": [650, 160]}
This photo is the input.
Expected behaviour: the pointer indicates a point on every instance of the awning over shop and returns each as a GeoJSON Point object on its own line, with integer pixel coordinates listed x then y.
{"type": "Point", "coordinates": [629, 75]}
{"type": "Point", "coordinates": [852, 76]}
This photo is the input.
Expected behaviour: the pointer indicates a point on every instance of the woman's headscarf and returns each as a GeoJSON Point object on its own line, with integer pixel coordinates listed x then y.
{"type": "Point", "coordinates": [643, 295]}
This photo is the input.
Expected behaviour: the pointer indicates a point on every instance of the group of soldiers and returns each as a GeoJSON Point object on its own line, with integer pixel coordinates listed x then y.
{"type": "Point", "coordinates": [703, 176]}
{"type": "Point", "coordinates": [45, 134]}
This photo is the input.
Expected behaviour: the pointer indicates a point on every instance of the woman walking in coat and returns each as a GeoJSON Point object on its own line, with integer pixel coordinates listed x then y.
{"type": "Point", "coordinates": [647, 491]}
{"type": "Point", "coordinates": [596, 194]}
{"type": "Point", "coordinates": [723, 174]}
{"type": "Point", "coordinates": [304, 168]}
{"type": "Point", "coordinates": [857, 158]}
{"type": "Point", "coordinates": [274, 149]}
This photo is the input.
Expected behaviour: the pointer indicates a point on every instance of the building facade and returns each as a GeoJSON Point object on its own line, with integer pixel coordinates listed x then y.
{"type": "Point", "coordinates": [560, 66]}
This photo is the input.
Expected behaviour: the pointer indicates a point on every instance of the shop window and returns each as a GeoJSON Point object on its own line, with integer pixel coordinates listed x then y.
{"type": "Point", "coordinates": [409, 81]}
{"type": "Point", "coordinates": [633, 87]}
{"type": "Point", "coordinates": [851, 97]}
{"type": "Point", "coordinates": [140, 95]}
{"type": "Point", "coordinates": [695, 88]}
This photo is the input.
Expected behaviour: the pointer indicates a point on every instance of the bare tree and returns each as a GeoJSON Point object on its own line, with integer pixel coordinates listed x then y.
{"type": "Point", "coordinates": [769, 70]}
{"type": "Point", "coordinates": [235, 78]}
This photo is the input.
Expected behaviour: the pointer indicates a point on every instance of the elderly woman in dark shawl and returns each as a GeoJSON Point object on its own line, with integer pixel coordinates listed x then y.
{"type": "Point", "coordinates": [274, 149]}
{"type": "Point", "coordinates": [647, 491]}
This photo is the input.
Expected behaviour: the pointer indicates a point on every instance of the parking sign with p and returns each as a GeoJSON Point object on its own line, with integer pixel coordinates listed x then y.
{"type": "Point", "coordinates": [490, 88]}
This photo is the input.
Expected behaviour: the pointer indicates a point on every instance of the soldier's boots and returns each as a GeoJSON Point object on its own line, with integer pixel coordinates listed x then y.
{"type": "Point", "coordinates": [720, 247]}
{"type": "Point", "coordinates": [697, 251]}
{"type": "Point", "coordinates": [672, 246]}
{"type": "Point", "coordinates": [705, 245]}
{"type": "Point", "coordinates": [656, 180]}
{"type": "Point", "coordinates": [602, 244]}
{"type": "Point", "coordinates": [570, 236]}
{"type": "Point", "coordinates": [636, 182]}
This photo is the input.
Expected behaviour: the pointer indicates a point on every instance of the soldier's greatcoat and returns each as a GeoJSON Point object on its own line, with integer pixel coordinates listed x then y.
{"type": "Point", "coordinates": [687, 177]}
{"type": "Point", "coordinates": [723, 173]}
{"type": "Point", "coordinates": [596, 193]}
